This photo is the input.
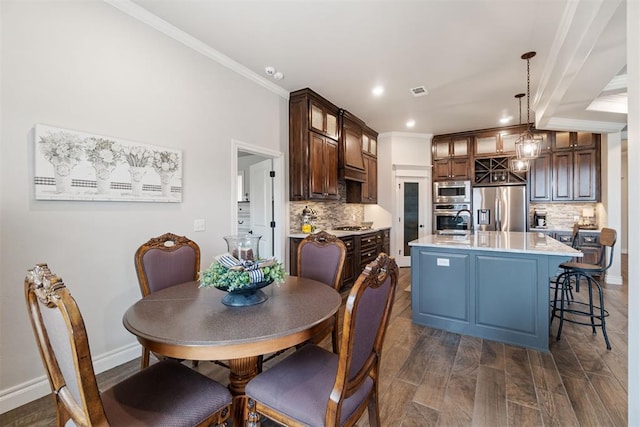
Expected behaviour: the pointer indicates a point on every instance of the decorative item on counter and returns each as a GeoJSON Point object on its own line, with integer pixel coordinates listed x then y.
{"type": "Point", "coordinates": [309, 217]}
{"type": "Point", "coordinates": [588, 219]}
{"type": "Point", "coordinates": [242, 276]}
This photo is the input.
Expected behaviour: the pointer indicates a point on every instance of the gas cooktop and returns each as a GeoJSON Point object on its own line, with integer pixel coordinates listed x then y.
{"type": "Point", "coordinates": [352, 228]}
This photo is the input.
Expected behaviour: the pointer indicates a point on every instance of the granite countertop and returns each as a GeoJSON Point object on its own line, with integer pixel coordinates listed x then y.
{"type": "Point", "coordinates": [531, 242]}
{"type": "Point", "coordinates": [552, 229]}
{"type": "Point", "coordinates": [340, 233]}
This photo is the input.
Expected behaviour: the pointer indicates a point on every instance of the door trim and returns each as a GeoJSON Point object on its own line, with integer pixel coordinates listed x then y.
{"type": "Point", "coordinates": [402, 174]}
{"type": "Point", "coordinates": [278, 191]}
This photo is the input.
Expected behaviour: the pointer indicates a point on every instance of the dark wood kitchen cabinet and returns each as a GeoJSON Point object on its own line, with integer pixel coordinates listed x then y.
{"type": "Point", "coordinates": [455, 168]}
{"type": "Point", "coordinates": [365, 191]}
{"type": "Point", "coordinates": [540, 179]}
{"type": "Point", "coordinates": [576, 175]}
{"type": "Point", "coordinates": [495, 143]}
{"type": "Point", "coordinates": [450, 157]}
{"type": "Point", "coordinates": [313, 147]}
{"type": "Point", "coordinates": [361, 250]}
{"type": "Point", "coordinates": [575, 140]}
{"type": "Point", "coordinates": [370, 186]}
{"type": "Point", "coordinates": [370, 151]}
{"type": "Point", "coordinates": [351, 160]}
{"type": "Point", "coordinates": [323, 162]}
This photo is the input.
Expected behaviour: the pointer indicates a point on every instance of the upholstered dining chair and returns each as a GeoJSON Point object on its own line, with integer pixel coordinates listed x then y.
{"type": "Point", "coordinates": [315, 387]}
{"type": "Point", "coordinates": [321, 257]}
{"type": "Point", "coordinates": [165, 394]}
{"type": "Point", "coordinates": [165, 261]}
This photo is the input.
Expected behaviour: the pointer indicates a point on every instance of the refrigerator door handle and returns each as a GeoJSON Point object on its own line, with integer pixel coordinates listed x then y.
{"type": "Point", "coordinates": [498, 215]}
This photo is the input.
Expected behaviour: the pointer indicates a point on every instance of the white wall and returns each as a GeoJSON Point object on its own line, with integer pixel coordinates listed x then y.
{"type": "Point", "coordinates": [406, 150]}
{"type": "Point", "coordinates": [87, 66]}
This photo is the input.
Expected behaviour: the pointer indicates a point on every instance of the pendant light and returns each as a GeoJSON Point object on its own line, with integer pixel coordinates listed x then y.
{"type": "Point", "coordinates": [519, 165]}
{"type": "Point", "coordinates": [528, 145]}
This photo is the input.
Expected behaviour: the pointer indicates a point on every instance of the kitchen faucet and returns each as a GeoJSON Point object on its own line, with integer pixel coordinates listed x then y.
{"type": "Point", "coordinates": [470, 222]}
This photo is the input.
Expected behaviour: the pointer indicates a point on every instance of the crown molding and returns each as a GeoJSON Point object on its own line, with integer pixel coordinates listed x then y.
{"type": "Point", "coordinates": [559, 123]}
{"type": "Point", "coordinates": [148, 18]}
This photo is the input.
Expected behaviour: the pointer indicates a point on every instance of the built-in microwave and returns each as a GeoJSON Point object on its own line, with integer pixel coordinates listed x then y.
{"type": "Point", "coordinates": [452, 192]}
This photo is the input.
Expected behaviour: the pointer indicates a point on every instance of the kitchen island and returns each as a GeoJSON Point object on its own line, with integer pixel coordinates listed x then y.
{"type": "Point", "coordinates": [489, 284]}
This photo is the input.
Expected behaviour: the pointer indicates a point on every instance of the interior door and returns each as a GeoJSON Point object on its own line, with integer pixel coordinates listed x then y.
{"type": "Point", "coordinates": [262, 209]}
{"type": "Point", "coordinates": [413, 219]}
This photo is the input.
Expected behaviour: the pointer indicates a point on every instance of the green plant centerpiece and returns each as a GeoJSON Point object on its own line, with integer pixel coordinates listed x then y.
{"type": "Point", "coordinates": [242, 279]}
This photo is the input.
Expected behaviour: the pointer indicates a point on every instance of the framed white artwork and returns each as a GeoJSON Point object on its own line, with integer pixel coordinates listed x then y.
{"type": "Point", "coordinates": [72, 165]}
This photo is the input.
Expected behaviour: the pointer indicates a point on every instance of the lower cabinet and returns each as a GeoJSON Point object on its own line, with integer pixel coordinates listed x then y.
{"type": "Point", "coordinates": [361, 250]}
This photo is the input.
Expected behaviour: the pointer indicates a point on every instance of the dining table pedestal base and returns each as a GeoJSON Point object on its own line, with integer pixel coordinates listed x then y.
{"type": "Point", "coordinates": [241, 372]}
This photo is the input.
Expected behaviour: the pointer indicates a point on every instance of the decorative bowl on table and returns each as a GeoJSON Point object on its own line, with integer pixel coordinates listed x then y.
{"type": "Point", "coordinates": [242, 276]}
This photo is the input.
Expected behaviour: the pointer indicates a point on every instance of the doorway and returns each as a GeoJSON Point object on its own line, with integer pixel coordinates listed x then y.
{"type": "Point", "coordinates": [257, 205]}
{"type": "Point", "coordinates": [412, 214]}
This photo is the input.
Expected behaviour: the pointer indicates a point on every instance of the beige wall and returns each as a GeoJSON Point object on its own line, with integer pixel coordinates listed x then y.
{"type": "Point", "coordinates": [89, 67]}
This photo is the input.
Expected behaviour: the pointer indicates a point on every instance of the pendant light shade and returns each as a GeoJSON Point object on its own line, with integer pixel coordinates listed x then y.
{"type": "Point", "coordinates": [528, 145]}
{"type": "Point", "coordinates": [519, 165]}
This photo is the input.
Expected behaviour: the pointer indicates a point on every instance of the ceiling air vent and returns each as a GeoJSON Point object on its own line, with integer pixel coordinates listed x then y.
{"type": "Point", "coordinates": [419, 91]}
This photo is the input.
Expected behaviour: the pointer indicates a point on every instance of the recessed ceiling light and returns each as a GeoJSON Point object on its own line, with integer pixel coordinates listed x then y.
{"type": "Point", "coordinates": [505, 120]}
{"type": "Point", "coordinates": [278, 75]}
{"type": "Point", "coordinates": [378, 90]}
{"type": "Point", "coordinates": [411, 123]}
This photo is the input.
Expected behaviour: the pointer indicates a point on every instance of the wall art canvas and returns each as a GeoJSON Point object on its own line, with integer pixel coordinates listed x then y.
{"type": "Point", "coordinates": [72, 165]}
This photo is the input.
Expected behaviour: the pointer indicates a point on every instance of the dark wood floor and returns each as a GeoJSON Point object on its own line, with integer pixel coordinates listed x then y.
{"type": "Point", "coordinates": [435, 378]}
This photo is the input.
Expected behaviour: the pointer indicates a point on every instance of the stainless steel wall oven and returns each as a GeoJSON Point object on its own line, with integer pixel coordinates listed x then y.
{"type": "Point", "coordinates": [444, 217]}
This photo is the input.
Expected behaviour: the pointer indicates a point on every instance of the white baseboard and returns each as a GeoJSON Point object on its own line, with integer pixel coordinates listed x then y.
{"type": "Point", "coordinates": [35, 388]}
{"type": "Point", "coordinates": [613, 280]}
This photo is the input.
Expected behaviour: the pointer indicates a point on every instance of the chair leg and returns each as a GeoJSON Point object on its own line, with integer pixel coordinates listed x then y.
{"type": "Point", "coordinates": [145, 358]}
{"type": "Point", "coordinates": [555, 300]}
{"type": "Point", "coordinates": [566, 279]}
{"type": "Point", "coordinates": [253, 418]}
{"type": "Point", "coordinates": [372, 409]}
{"type": "Point", "coordinates": [602, 315]}
{"type": "Point", "coordinates": [590, 282]}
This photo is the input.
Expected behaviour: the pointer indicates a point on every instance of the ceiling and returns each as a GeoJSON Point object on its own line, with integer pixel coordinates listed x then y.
{"type": "Point", "coordinates": [466, 54]}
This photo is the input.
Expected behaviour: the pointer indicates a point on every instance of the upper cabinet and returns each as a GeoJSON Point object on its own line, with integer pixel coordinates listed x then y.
{"type": "Point", "coordinates": [446, 147]}
{"type": "Point", "coordinates": [570, 172]}
{"type": "Point", "coordinates": [326, 144]}
{"type": "Point", "coordinates": [575, 140]}
{"type": "Point", "coordinates": [351, 156]}
{"type": "Point", "coordinates": [366, 191]}
{"type": "Point", "coordinates": [567, 169]}
{"type": "Point", "coordinates": [313, 147]}
{"type": "Point", "coordinates": [495, 143]}
{"type": "Point", "coordinates": [450, 157]}
{"type": "Point", "coordinates": [323, 120]}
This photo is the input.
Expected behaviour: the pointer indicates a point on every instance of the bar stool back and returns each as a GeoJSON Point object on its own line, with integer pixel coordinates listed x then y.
{"type": "Point", "coordinates": [575, 311]}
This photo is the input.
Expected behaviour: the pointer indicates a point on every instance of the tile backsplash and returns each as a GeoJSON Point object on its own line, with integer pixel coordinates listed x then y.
{"type": "Point", "coordinates": [562, 215]}
{"type": "Point", "coordinates": [330, 213]}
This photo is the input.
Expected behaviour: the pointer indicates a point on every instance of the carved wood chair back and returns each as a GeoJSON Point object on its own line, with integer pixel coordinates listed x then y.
{"type": "Point", "coordinates": [321, 257]}
{"type": "Point", "coordinates": [165, 261]}
{"type": "Point", "coordinates": [318, 388]}
{"type": "Point", "coordinates": [167, 393]}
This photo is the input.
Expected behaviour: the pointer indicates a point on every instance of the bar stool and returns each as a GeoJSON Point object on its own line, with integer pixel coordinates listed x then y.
{"type": "Point", "coordinates": [562, 305]}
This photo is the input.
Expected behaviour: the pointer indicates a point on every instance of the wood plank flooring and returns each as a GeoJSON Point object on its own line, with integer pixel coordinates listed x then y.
{"type": "Point", "coordinates": [431, 377]}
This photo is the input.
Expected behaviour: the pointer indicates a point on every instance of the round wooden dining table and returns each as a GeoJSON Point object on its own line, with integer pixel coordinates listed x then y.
{"type": "Point", "coordinates": [188, 322]}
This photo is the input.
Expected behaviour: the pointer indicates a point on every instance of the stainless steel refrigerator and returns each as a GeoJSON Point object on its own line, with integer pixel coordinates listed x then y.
{"type": "Point", "coordinates": [500, 208]}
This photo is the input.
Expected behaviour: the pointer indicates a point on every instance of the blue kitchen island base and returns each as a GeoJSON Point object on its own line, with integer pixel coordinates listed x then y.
{"type": "Point", "coordinates": [495, 291]}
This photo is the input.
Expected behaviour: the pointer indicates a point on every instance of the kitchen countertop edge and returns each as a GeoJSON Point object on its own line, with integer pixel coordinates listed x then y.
{"type": "Point", "coordinates": [340, 233]}
{"type": "Point", "coordinates": [515, 242]}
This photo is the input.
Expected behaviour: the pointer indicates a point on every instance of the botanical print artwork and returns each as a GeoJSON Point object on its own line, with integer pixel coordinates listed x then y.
{"type": "Point", "coordinates": [71, 165]}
